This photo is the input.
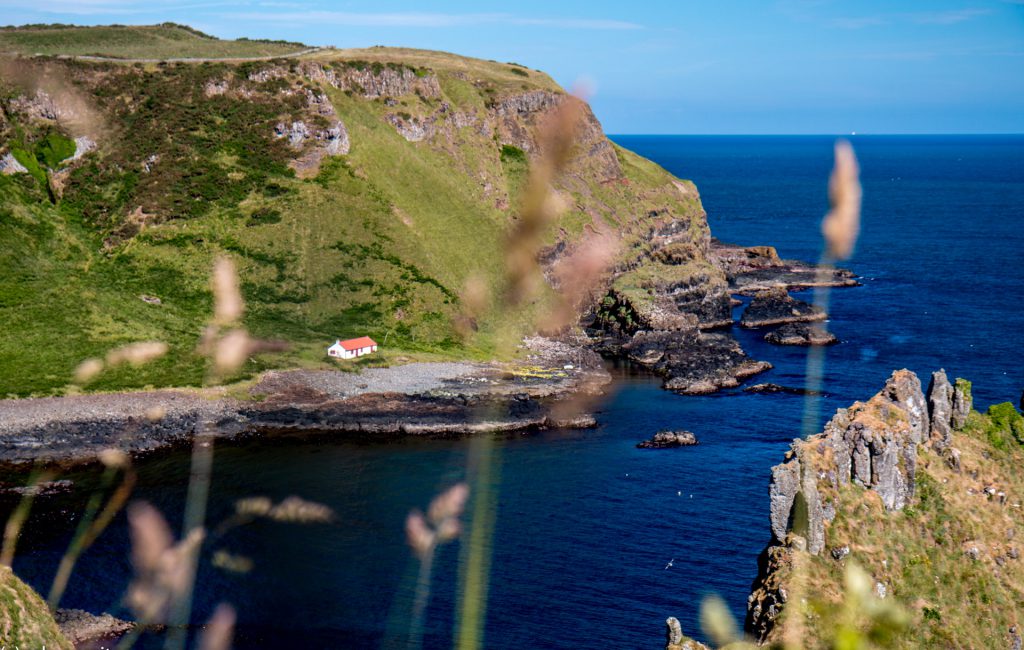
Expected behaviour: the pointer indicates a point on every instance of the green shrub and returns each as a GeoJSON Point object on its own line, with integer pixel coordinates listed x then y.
{"type": "Point", "coordinates": [264, 216]}
{"type": "Point", "coordinates": [512, 154]}
{"type": "Point", "coordinates": [1004, 419]}
{"type": "Point", "coordinates": [54, 149]}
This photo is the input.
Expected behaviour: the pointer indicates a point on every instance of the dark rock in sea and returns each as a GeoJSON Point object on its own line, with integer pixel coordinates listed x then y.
{"type": "Point", "coordinates": [775, 307]}
{"type": "Point", "coordinates": [755, 268]}
{"type": "Point", "coordinates": [691, 362]}
{"type": "Point", "coordinates": [669, 439]}
{"type": "Point", "coordinates": [801, 334]}
{"type": "Point", "coordinates": [775, 388]}
{"type": "Point", "coordinates": [705, 364]}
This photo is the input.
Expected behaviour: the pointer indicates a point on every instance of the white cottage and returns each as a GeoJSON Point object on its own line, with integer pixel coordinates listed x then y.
{"type": "Point", "coordinates": [352, 348]}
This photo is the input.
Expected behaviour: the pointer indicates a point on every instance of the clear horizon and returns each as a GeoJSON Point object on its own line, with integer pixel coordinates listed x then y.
{"type": "Point", "coordinates": [791, 67]}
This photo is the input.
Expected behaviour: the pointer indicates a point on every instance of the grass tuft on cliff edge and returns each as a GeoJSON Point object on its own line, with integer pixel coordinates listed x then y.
{"type": "Point", "coordinates": [25, 620]}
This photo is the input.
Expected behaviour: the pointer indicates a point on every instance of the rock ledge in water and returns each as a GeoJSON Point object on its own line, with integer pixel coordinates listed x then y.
{"type": "Point", "coordinates": [775, 388]}
{"type": "Point", "coordinates": [668, 439]}
{"type": "Point", "coordinates": [775, 307]}
{"type": "Point", "coordinates": [801, 334]}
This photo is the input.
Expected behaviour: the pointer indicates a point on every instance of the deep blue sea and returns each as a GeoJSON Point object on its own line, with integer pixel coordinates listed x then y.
{"type": "Point", "coordinates": [585, 523]}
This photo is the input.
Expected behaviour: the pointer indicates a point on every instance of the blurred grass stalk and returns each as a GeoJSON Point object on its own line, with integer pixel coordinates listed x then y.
{"type": "Point", "coordinates": [840, 228]}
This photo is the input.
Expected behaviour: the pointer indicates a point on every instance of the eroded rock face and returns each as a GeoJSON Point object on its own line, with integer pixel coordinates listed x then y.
{"type": "Point", "coordinates": [872, 444]}
{"type": "Point", "coordinates": [940, 410]}
{"type": "Point", "coordinates": [962, 402]}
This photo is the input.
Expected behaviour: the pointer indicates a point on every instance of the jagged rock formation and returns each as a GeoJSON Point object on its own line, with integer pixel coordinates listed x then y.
{"type": "Point", "coordinates": [874, 445]}
{"type": "Point", "coordinates": [940, 410]}
{"type": "Point", "coordinates": [676, 640]}
{"type": "Point", "coordinates": [801, 334]}
{"type": "Point", "coordinates": [775, 306]}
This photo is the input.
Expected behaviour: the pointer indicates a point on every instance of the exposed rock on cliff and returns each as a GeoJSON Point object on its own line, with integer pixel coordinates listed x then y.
{"type": "Point", "coordinates": [863, 471]}
{"type": "Point", "coordinates": [775, 306]}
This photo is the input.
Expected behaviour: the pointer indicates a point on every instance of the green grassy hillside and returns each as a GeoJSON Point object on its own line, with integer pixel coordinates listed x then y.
{"type": "Point", "coordinates": [133, 42]}
{"type": "Point", "coordinates": [193, 161]}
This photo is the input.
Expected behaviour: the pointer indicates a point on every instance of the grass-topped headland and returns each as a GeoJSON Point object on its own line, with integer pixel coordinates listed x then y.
{"type": "Point", "coordinates": [358, 191]}
{"type": "Point", "coordinates": [163, 41]}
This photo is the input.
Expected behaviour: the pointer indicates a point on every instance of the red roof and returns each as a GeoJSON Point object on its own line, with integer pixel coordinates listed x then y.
{"type": "Point", "coordinates": [356, 344]}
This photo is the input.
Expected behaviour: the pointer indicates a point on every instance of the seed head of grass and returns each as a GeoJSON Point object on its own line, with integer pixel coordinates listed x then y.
{"type": "Point", "coordinates": [841, 226]}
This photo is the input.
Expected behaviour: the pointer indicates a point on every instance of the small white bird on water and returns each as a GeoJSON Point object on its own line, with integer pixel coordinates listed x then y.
{"type": "Point", "coordinates": [670, 563]}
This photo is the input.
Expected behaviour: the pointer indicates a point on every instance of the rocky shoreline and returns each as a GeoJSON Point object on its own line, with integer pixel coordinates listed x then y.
{"type": "Point", "coordinates": [547, 389]}
{"type": "Point", "coordinates": [689, 344]}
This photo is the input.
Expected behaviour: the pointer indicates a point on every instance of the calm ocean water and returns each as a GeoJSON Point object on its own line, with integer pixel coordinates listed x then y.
{"type": "Point", "coordinates": [585, 523]}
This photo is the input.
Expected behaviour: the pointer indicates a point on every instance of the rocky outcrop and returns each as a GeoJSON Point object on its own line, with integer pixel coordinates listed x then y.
{"type": "Point", "coordinates": [871, 444]}
{"type": "Point", "coordinates": [940, 410]}
{"type": "Point", "coordinates": [751, 269]}
{"type": "Point", "coordinates": [367, 79]}
{"type": "Point", "coordinates": [775, 306]}
{"type": "Point", "coordinates": [776, 388]}
{"type": "Point", "coordinates": [10, 165]}
{"type": "Point", "coordinates": [676, 640]}
{"type": "Point", "coordinates": [517, 118]}
{"type": "Point", "coordinates": [668, 440]}
{"type": "Point", "coordinates": [962, 402]}
{"type": "Point", "coordinates": [315, 143]}
{"type": "Point", "coordinates": [801, 334]}
{"type": "Point", "coordinates": [81, 627]}
{"type": "Point", "coordinates": [691, 362]}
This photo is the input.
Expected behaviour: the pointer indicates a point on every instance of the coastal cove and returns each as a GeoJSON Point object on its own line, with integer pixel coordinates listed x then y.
{"type": "Point", "coordinates": [585, 522]}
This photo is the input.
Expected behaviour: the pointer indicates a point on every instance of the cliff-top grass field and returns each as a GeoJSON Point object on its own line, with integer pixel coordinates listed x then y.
{"type": "Point", "coordinates": [167, 40]}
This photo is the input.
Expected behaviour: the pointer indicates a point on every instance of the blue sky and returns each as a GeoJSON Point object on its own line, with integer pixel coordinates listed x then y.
{"type": "Point", "coordinates": [785, 66]}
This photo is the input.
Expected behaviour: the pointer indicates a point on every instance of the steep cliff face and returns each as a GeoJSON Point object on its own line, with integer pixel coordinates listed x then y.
{"type": "Point", "coordinates": [358, 190]}
{"type": "Point", "coordinates": [919, 491]}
